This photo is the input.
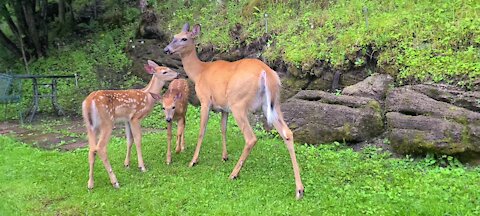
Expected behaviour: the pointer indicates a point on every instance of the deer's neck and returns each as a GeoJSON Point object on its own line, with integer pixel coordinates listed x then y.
{"type": "Point", "coordinates": [192, 65]}
{"type": "Point", "coordinates": [154, 86]}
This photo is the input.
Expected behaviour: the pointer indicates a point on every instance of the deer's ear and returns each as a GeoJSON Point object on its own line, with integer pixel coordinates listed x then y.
{"type": "Point", "coordinates": [157, 97]}
{"type": "Point", "coordinates": [178, 96]}
{"type": "Point", "coordinates": [196, 31]}
{"type": "Point", "coordinates": [152, 63]}
{"type": "Point", "coordinates": [149, 69]}
{"type": "Point", "coordinates": [186, 27]}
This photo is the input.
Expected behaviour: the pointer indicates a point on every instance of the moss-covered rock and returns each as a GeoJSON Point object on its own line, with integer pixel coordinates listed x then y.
{"type": "Point", "coordinates": [319, 117]}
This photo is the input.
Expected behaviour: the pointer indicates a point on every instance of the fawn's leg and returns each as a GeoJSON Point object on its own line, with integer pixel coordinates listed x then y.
{"type": "Point", "coordinates": [169, 142]}
{"type": "Point", "coordinates": [102, 153]}
{"type": "Point", "coordinates": [137, 138]}
{"type": "Point", "coordinates": [129, 135]}
{"type": "Point", "coordinates": [180, 135]}
{"type": "Point", "coordinates": [92, 143]}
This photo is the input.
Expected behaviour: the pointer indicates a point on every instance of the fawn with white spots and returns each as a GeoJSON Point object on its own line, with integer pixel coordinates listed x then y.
{"type": "Point", "coordinates": [101, 109]}
{"type": "Point", "coordinates": [238, 87]}
{"type": "Point", "coordinates": [175, 103]}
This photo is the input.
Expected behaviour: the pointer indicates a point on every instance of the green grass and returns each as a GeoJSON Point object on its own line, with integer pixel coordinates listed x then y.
{"type": "Point", "coordinates": [338, 181]}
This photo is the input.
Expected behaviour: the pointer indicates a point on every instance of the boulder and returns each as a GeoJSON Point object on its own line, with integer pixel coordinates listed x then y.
{"type": "Point", "coordinates": [374, 86]}
{"type": "Point", "coordinates": [317, 117]}
{"type": "Point", "coordinates": [425, 119]}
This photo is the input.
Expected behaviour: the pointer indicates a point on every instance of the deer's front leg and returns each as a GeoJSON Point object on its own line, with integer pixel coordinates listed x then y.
{"type": "Point", "coordinates": [205, 108]}
{"type": "Point", "coordinates": [137, 138]}
{"type": "Point", "coordinates": [169, 142]}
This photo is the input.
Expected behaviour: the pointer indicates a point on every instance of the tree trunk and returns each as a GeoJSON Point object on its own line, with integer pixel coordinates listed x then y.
{"type": "Point", "coordinates": [8, 18]}
{"type": "Point", "coordinates": [43, 28]}
{"type": "Point", "coordinates": [32, 30]}
{"type": "Point", "coordinates": [7, 43]}
{"type": "Point", "coordinates": [61, 11]}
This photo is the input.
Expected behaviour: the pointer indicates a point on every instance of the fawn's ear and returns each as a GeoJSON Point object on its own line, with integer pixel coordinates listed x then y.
{"type": "Point", "coordinates": [178, 96]}
{"type": "Point", "coordinates": [149, 69]}
{"type": "Point", "coordinates": [196, 31]}
{"type": "Point", "coordinates": [157, 97]}
{"type": "Point", "coordinates": [186, 27]}
{"type": "Point", "coordinates": [152, 63]}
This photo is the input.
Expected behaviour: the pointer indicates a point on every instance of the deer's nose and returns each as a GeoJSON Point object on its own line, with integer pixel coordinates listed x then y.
{"type": "Point", "coordinates": [166, 50]}
{"type": "Point", "coordinates": [168, 119]}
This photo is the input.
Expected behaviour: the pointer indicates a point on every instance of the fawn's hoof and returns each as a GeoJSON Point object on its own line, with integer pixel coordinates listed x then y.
{"type": "Point", "coordinates": [90, 185]}
{"type": "Point", "coordinates": [299, 194]}
{"type": "Point", "coordinates": [225, 159]}
{"type": "Point", "coordinates": [142, 169]}
{"type": "Point", "coordinates": [116, 185]}
{"type": "Point", "coordinates": [168, 162]}
{"type": "Point", "coordinates": [127, 166]}
{"type": "Point", "coordinates": [233, 177]}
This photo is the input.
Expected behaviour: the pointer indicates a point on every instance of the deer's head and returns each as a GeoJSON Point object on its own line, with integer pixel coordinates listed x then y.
{"type": "Point", "coordinates": [184, 41]}
{"type": "Point", "coordinates": [160, 72]}
{"type": "Point", "coordinates": [168, 103]}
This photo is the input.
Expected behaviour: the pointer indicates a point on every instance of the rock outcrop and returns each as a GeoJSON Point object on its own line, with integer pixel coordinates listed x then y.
{"type": "Point", "coordinates": [318, 117]}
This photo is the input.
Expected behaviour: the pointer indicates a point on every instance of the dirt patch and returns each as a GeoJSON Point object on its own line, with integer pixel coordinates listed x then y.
{"type": "Point", "coordinates": [54, 133]}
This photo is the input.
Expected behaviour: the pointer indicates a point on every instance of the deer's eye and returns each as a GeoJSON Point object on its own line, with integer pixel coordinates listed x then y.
{"type": "Point", "coordinates": [184, 39]}
{"type": "Point", "coordinates": [173, 107]}
{"type": "Point", "coordinates": [163, 108]}
{"type": "Point", "coordinates": [165, 72]}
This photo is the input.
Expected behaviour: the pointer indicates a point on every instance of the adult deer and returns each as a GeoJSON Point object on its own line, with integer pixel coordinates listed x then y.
{"type": "Point", "coordinates": [239, 87]}
{"type": "Point", "coordinates": [175, 103]}
{"type": "Point", "coordinates": [101, 109]}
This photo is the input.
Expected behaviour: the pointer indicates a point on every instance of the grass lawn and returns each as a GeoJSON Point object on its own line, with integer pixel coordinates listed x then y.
{"type": "Point", "coordinates": [337, 180]}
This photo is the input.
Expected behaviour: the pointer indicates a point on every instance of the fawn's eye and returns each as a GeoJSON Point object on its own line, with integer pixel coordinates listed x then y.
{"type": "Point", "coordinates": [173, 107]}
{"type": "Point", "coordinates": [165, 72]}
{"type": "Point", "coordinates": [163, 108]}
{"type": "Point", "coordinates": [184, 39]}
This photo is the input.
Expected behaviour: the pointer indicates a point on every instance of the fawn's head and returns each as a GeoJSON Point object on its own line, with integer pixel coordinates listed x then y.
{"type": "Point", "coordinates": [184, 41]}
{"type": "Point", "coordinates": [168, 102]}
{"type": "Point", "coordinates": [160, 72]}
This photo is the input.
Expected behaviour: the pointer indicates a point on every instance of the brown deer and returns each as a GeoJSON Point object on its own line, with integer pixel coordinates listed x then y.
{"type": "Point", "coordinates": [175, 103]}
{"type": "Point", "coordinates": [101, 109]}
{"type": "Point", "coordinates": [237, 87]}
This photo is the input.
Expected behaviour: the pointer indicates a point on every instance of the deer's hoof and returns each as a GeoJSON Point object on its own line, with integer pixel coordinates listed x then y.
{"type": "Point", "coordinates": [193, 163]}
{"type": "Point", "coordinates": [127, 166]}
{"type": "Point", "coordinates": [233, 177]}
{"type": "Point", "coordinates": [142, 169]}
{"type": "Point", "coordinates": [90, 185]}
{"type": "Point", "coordinates": [168, 162]}
{"type": "Point", "coordinates": [299, 194]}
{"type": "Point", "coordinates": [225, 159]}
{"type": "Point", "coordinates": [116, 185]}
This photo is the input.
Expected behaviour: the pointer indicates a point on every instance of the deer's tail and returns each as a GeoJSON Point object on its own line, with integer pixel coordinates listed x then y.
{"type": "Point", "coordinates": [271, 84]}
{"type": "Point", "coordinates": [90, 114]}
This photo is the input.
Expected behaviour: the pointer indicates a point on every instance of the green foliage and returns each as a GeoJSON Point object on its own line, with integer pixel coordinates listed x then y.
{"type": "Point", "coordinates": [99, 62]}
{"type": "Point", "coordinates": [422, 40]}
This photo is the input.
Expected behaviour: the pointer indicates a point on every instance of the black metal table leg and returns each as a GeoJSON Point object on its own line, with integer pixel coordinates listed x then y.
{"type": "Point", "coordinates": [57, 107]}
